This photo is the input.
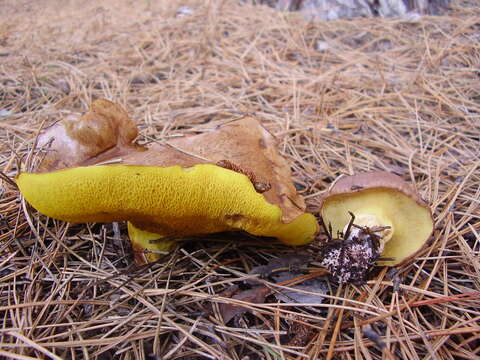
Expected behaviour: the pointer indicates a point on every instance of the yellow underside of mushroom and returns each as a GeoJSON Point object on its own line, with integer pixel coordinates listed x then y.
{"type": "Point", "coordinates": [410, 224]}
{"type": "Point", "coordinates": [172, 201]}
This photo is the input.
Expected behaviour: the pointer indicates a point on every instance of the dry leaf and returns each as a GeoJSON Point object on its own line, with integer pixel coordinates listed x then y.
{"type": "Point", "coordinates": [255, 295]}
{"type": "Point", "coordinates": [287, 261]}
{"type": "Point", "coordinates": [317, 287]}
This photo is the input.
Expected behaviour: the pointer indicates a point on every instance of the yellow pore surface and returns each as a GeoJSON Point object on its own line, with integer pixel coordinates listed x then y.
{"type": "Point", "coordinates": [173, 200]}
{"type": "Point", "coordinates": [412, 224]}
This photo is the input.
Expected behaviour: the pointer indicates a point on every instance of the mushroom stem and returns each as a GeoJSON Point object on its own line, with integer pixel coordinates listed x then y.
{"type": "Point", "coordinates": [380, 225]}
{"type": "Point", "coordinates": [148, 246]}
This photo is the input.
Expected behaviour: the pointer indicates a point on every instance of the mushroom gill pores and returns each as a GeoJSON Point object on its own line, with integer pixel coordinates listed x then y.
{"type": "Point", "coordinates": [388, 215]}
{"type": "Point", "coordinates": [167, 190]}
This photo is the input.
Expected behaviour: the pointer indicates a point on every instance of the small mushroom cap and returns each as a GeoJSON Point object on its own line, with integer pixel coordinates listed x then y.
{"type": "Point", "coordinates": [388, 197]}
{"type": "Point", "coordinates": [373, 179]}
{"type": "Point", "coordinates": [172, 201]}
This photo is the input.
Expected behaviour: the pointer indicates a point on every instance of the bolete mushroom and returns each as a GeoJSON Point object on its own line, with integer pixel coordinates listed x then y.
{"type": "Point", "coordinates": [230, 177]}
{"type": "Point", "coordinates": [382, 206]}
{"type": "Point", "coordinates": [171, 201]}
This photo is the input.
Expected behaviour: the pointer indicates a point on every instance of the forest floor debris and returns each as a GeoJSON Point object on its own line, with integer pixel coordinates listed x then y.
{"type": "Point", "coordinates": [341, 97]}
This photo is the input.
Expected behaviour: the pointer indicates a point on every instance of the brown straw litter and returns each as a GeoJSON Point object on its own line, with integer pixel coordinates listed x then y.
{"type": "Point", "coordinates": [342, 97]}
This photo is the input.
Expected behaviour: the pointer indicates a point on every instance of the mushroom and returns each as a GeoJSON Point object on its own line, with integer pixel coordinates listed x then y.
{"type": "Point", "coordinates": [230, 177]}
{"type": "Point", "coordinates": [172, 201]}
{"type": "Point", "coordinates": [382, 209]}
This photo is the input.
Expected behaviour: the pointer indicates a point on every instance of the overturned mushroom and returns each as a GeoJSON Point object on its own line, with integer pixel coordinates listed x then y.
{"type": "Point", "coordinates": [381, 209]}
{"type": "Point", "coordinates": [172, 201]}
{"type": "Point", "coordinates": [230, 177]}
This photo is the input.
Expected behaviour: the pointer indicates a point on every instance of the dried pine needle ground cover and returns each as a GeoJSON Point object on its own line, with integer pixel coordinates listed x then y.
{"type": "Point", "coordinates": [342, 97]}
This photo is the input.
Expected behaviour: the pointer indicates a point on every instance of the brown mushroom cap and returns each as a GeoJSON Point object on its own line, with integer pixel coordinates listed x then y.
{"type": "Point", "coordinates": [390, 199]}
